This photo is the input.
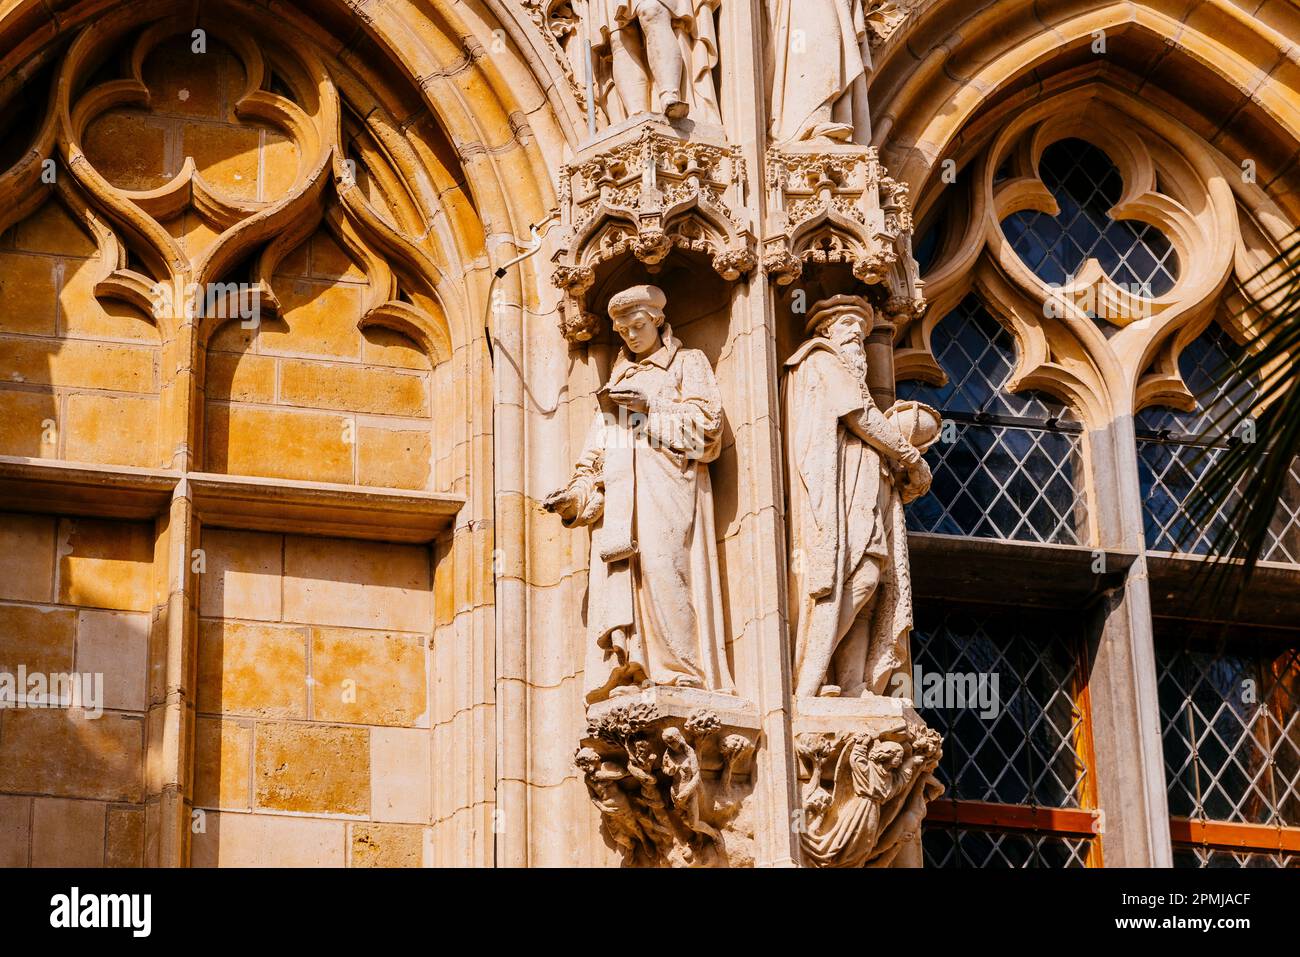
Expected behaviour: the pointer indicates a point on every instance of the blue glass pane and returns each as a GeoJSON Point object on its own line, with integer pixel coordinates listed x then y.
{"type": "Point", "coordinates": [1086, 184]}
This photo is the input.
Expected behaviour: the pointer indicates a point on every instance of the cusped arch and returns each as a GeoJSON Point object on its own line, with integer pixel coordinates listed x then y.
{"type": "Point", "coordinates": [1223, 225]}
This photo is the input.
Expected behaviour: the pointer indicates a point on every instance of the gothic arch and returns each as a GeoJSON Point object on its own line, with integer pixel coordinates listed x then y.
{"type": "Point", "coordinates": [426, 135]}
{"type": "Point", "coordinates": [1041, 80]}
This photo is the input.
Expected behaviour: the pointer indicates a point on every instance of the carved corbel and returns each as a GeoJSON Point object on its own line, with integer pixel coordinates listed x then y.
{"type": "Point", "coordinates": [670, 776]}
{"type": "Point", "coordinates": [867, 768]}
{"type": "Point", "coordinates": [647, 193]}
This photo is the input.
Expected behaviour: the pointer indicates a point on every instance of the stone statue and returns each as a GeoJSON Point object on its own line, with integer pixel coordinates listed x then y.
{"type": "Point", "coordinates": [621, 819]}
{"type": "Point", "coordinates": [851, 469]}
{"type": "Point", "coordinates": [675, 811]}
{"type": "Point", "coordinates": [817, 70]}
{"type": "Point", "coordinates": [655, 56]}
{"type": "Point", "coordinates": [654, 599]}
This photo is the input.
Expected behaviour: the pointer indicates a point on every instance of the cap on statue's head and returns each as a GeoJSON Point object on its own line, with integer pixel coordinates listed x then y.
{"type": "Point", "coordinates": [830, 309]}
{"type": "Point", "coordinates": [636, 298]}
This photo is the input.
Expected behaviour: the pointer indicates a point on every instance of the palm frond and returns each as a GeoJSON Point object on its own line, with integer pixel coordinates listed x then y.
{"type": "Point", "coordinates": [1236, 498]}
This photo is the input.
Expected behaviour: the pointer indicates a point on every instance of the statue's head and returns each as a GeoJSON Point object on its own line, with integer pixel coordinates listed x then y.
{"type": "Point", "coordinates": [638, 315]}
{"type": "Point", "coordinates": [845, 320]}
{"type": "Point", "coordinates": [673, 739]}
{"type": "Point", "coordinates": [587, 760]}
{"type": "Point", "coordinates": [887, 754]}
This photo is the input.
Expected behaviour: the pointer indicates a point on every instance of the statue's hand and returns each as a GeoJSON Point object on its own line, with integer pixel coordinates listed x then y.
{"type": "Point", "coordinates": [563, 501]}
{"type": "Point", "coordinates": [631, 398]}
{"type": "Point", "coordinates": [919, 478]}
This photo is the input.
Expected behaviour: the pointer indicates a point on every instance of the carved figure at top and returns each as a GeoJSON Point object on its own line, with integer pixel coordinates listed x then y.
{"type": "Point", "coordinates": [654, 599]}
{"type": "Point", "coordinates": [817, 70]}
{"type": "Point", "coordinates": [654, 56]}
{"type": "Point", "coordinates": [682, 765]}
{"type": "Point", "coordinates": [852, 467]}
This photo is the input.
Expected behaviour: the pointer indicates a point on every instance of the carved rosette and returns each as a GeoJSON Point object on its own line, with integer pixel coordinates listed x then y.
{"type": "Point", "coordinates": [838, 205]}
{"type": "Point", "coordinates": [867, 776]}
{"type": "Point", "coordinates": [670, 776]}
{"type": "Point", "coordinates": [645, 192]}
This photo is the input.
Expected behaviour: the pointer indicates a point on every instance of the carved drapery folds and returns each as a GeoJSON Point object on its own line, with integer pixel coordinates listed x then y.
{"type": "Point", "coordinates": [645, 193]}
{"type": "Point", "coordinates": [833, 205]}
{"type": "Point", "coordinates": [670, 771]}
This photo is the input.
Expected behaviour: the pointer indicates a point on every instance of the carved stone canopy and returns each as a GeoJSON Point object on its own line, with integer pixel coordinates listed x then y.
{"type": "Point", "coordinates": [833, 204]}
{"type": "Point", "coordinates": [644, 191]}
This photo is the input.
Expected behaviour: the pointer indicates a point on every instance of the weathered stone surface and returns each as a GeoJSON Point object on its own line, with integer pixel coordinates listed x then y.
{"type": "Point", "coordinates": [105, 564]}
{"type": "Point", "coordinates": [67, 833]}
{"type": "Point", "coordinates": [222, 762]}
{"type": "Point", "coordinates": [242, 577]}
{"type": "Point", "coordinates": [62, 753]}
{"type": "Point", "coordinates": [40, 639]}
{"type": "Point", "coordinates": [368, 677]}
{"type": "Point", "coordinates": [357, 584]}
{"type": "Point", "coordinates": [312, 768]}
{"type": "Point", "coordinates": [26, 557]}
{"type": "Point", "coordinates": [262, 840]}
{"type": "Point", "coordinates": [248, 669]}
{"type": "Point", "coordinates": [124, 840]}
{"type": "Point", "coordinates": [386, 845]}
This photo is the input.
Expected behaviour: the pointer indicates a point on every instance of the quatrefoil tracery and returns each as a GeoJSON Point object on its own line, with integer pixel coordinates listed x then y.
{"type": "Point", "coordinates": [1105, 347]}
{"type": "Point", "coordinates": [288, 93]}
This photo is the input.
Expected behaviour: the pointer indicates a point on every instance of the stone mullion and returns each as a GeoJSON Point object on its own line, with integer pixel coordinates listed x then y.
{"type": "Point", "coordinates": [767, 678]}
{"type": "Point", "coordinates": [1130, 781]}
{"type": "Point", "coordinates": [174, 629]}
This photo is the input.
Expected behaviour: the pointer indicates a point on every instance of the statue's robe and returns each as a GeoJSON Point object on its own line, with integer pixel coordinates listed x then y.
{"type": "Point", "coordinates": [845, 514]}
{"type": "Point", "coordinates": [696, 35]}
{"type": "Point", "coordinates": [654, 597]}
{"type": "Point", "coordinates": [818, 53]}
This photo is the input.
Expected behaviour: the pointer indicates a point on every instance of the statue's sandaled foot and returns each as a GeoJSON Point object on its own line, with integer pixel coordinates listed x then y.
{"type": "Point", "coordinates": [829, 691]}
{"type": "Point", "coordinates": [687, 681]}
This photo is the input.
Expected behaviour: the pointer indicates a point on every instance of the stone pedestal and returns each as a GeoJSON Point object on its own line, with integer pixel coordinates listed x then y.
{"type": "Point", "coordinates": [670, 770]}
{"type": "Point", "coordinates": [866, 773]}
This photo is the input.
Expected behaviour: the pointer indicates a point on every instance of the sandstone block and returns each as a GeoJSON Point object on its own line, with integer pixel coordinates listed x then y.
{"type": "Point", "coordinates": [312, 768]}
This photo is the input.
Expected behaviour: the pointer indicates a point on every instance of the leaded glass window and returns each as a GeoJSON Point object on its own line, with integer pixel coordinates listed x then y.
{"type": "Point", "coordinates": [1086, 185]}
{"type": "Point", "coordinates": [1192, 856]}
{"type": "Point", "coordinates": [1006, 466]}
{"type": "Point", "coordinates": [1176, 448]}
{"type": "Point", "coordinates": [1230, 718]}
{"type": "Point", "coordinates": [1026, 752]}
{"type": "Point", "coordinates": [970, 847]}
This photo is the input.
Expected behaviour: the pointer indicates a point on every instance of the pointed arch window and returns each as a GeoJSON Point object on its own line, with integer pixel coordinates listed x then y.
{"type": "Point", "coordinates": [1007, 465]}
{"type": "Point", "coordinates": [1086, 186]}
